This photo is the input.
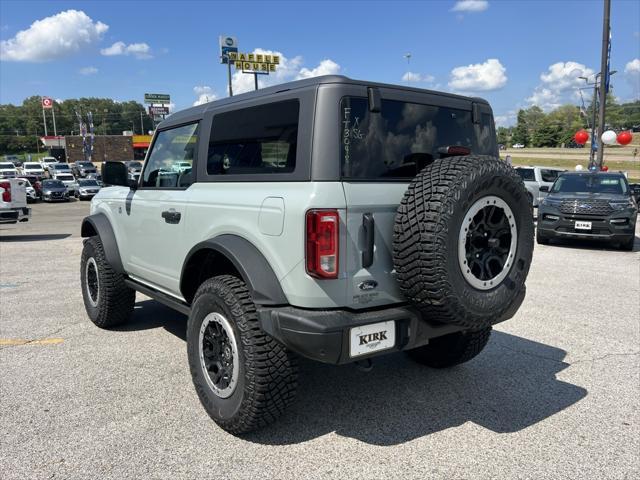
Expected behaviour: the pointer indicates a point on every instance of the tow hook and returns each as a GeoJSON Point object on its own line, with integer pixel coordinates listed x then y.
{"type": "Point", "coordinates": [365, 365]}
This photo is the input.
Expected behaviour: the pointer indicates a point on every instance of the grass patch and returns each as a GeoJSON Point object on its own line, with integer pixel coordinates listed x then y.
{"type": "Point", "coordinates": [571, 164]}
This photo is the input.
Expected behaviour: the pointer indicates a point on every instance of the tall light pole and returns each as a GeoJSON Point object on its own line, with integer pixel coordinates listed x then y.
{"type": "Point", "coordinates": [595, 141]}
{"type": "Point", "coordinates": [604, 61]}
{"type": "Point", "coordinates": [408, 57]}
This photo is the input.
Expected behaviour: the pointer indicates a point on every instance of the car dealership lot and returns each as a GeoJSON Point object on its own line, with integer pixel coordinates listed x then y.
{"type": "Point", "coordinates": [555, 394]}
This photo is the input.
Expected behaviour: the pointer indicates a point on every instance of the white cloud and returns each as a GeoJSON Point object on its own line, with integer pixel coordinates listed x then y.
{"type": "Point", "coordinates": [633, 67]}
{"type": "Point", "coordinates": [325, 67]}
{"type": "Point", "coordinates": [205, 94]}
{"type": "Point", "coordinates": [479, 77]}
{"type": "Point", "coordinates": [470, 6]}
{"type": "Point", "coordinates": [413, 77]}
{"type": "Point", "coordinates": [506, 120]}
{"type": "Point", "coordinates": [88, 71]}
{"type": "Point", "coordinates": [559, 85]}
{"type": "Point", "coordinates": [289, 69]}
{"type": "Point", "coordinates": [632, 74]}
{"type": "Point", "coordinates": [53, 37]}
{"type": "Point", "coordinates": [139, 50]}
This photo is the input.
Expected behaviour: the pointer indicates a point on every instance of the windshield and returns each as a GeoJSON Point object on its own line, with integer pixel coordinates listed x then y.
{"type": "Point", "coordinates": [7, 165]}
{"type": "Point", "coordinates": [88, 183]}
{"type": "Point", "coordinates": [52, 184]}
{"type": "Point", "coordinates": [32, 166]}
{"type": "Point", "coordinates": [135, 165]}
{"type": "Point", "coordinates": [526, 173]}
{"type": "Point", "coordinates": [400, 140]}
{"type": "Point", "coordinates": [589, 183]}
{"type": "Point", "coordinates": [65, 178]}
{"type": "Point", "coordinates": [86, 165]}
{"type": "Point", "coordinates": [62, 166]}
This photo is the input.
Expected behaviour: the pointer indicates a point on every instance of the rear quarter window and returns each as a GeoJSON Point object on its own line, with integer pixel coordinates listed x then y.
{"type": "Point", "coordinates": [400, 140]}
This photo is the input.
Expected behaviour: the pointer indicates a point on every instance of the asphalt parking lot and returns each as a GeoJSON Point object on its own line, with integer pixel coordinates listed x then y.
{"type": "Point", "coordinates": [556, 394]}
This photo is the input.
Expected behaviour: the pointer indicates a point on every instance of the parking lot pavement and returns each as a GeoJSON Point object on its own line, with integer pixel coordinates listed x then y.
{"type": "Point", "coordinates": [555, 395]}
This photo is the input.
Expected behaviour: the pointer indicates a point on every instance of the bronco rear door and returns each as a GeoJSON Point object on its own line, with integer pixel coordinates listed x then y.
{"type": "Point", "coordinates": [387, 137]}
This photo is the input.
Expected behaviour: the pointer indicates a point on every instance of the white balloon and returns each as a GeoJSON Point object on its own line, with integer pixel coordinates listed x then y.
{"type": "Point", "coordinates": [578, 168]}
{"type": "Point", "coordinates": [609, 137]}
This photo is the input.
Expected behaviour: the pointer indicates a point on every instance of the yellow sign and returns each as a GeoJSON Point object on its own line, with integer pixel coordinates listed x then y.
{"type": "Point", "coordinates": [255, 61]}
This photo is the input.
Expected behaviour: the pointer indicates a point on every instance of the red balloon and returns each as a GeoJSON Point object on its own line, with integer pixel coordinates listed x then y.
{"type": "Point", "coordinates": [581, 137]}
{"type": "Point", "coordinates": [624, 138]}
{"type": "Point", "coordinates": [605, 168]}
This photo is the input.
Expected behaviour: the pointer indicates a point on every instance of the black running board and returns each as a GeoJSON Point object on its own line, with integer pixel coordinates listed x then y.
{"type": "Point", "coordinates": [157, 295]}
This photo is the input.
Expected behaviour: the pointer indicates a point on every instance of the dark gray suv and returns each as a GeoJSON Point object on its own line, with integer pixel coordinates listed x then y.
{"type": "Point", "coordinates": [589, 205]}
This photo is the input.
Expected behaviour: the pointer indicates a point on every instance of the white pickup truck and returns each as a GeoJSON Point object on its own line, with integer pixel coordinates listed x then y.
{"type": "Point", "coordinates": [13, 201]}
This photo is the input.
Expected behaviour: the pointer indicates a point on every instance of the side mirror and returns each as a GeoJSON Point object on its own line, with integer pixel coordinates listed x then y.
{"type": "Point", "coordinates": [544, 188]}
{"type": "Point", "coordinates": [115, 173]}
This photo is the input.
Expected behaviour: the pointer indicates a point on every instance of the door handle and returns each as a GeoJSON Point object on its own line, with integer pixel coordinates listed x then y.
{"type": "Point", "coordinates": [171, 216]}
{"type": "Point", "coordinates": [369, 239]}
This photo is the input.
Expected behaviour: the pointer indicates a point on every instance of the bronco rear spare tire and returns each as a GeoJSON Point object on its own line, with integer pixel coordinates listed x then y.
{"type": "Point", "coordinates": [463, 241]}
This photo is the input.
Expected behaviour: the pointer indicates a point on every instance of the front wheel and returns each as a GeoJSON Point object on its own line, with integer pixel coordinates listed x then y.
{"type": "Point", "coordinates": [243, 377]}
{"type": "Point", "coordinates": [107, 299]}
{"type": "Point", "coordinates": [452, 349]}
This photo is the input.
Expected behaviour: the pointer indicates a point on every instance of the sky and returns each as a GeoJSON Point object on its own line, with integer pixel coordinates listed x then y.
{"type": "Point", "coordinates": [513, 53]}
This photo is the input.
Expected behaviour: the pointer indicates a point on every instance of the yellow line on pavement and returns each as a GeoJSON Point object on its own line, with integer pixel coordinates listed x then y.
{"type": "Point", "coordinates": [22, 341]}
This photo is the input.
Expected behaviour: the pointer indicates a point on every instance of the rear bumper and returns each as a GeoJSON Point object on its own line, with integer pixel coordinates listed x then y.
{"type": "Point", "coordinates": [324, 335]}
{"type": "Point", "coordinates": [14, 215]}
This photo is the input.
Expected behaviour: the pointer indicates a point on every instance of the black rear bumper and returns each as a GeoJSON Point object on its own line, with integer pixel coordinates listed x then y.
{"type": "Point", "coordinates": [324, 335]}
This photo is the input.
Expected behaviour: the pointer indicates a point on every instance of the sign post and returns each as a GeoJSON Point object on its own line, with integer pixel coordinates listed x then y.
{"type": "Point", "coordinates": [228, 45]}
{"type": "Point", "coordinates": [47, 103]}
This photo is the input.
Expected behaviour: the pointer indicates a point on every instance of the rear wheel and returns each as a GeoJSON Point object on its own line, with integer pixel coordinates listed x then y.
{"type": "Point", "coordinates": [452, 349]}
{"type": "Point", "coordinates": [463, 241]}
{"type": "Point", "coordinates": [243, 377]}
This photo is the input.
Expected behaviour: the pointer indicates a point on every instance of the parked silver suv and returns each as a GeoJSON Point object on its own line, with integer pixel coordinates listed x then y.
{"type": "Point", "coordinates": [330, 218]}
{"type": "Point", "coordinates": [538, 181]}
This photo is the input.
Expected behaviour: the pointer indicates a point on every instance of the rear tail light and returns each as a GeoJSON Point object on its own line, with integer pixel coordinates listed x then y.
{"type": "Point", "coordinates": [454, 150]}
{"type": "Point", "coordinates": [322, 243]}
{"type": "Point", "coordinates": [6, 193]}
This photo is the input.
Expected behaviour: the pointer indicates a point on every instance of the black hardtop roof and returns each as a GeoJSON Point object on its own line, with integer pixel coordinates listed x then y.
{"type": "Point", "coordinates": [197, 111]}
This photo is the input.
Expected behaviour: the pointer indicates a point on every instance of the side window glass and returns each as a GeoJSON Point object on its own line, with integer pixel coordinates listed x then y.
{"type": "Point", "coordinates": [549, 175]}
{"type": "Point", "coordinates": [255, 140]}
{"type": "Point", "coordinates": [171, 159]}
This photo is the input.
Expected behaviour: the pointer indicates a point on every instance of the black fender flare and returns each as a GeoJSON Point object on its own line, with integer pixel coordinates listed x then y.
{"type": "Point", "coordinates": [250, 263]}
{"type": "Point", "coordinates": [98, 224]}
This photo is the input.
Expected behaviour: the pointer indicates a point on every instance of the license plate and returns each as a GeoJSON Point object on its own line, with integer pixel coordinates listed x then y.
{"type": "Point", "coordinates": [583, 226]}
{"type": "Point", "coordinates": [372, 338]}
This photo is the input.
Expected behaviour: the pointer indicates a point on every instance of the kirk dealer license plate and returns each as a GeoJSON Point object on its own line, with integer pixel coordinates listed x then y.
{"type": "Point", "coordinates": [583, 225]}
{"type": "Point", "coordinates": [372, 338]}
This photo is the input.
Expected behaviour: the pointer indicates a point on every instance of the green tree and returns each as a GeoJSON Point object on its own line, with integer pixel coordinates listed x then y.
{"type": "Point", "coordinates": [520, 132]}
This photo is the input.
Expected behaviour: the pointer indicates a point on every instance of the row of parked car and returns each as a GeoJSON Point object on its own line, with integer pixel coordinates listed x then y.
{"type": "Point", "coordinates": [50, 180]}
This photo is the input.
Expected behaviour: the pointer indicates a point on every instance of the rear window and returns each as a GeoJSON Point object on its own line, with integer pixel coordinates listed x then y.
{"type": "Point", "coordinates": [7, 165]}
{"type": "Point", "coordinates": [404, 137]}
{"type": "Point", "coordinates": [526, 173]}
{"type": "Point", "coordinates": [255, 140]}
{"type": "Point", "coordinates": [549, 175]}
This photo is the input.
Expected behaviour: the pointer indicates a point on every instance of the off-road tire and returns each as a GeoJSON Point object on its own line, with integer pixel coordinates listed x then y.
{"type": "Point", "coordinates": [268, 372]}
{"type": "Point", "coordinates": [452, 349]}
{"type": "Point", "coordinates": [115, 300]}
{"type": "Point", "coordinates": [426, 240]}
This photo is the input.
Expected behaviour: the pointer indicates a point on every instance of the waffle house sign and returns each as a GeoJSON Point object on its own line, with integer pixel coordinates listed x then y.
{"type": "Point", "coordinates": [254, 62]}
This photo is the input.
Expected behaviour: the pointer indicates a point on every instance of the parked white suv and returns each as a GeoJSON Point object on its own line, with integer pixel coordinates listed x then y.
{"type": "Point", "coordinates": [8, 170]}
{"type": "Point", "coordinates": [69, 181]}
{"type": "Point", "coordinates": [538, 181]}
{"type": "Point", "coordinates": [330, 218]}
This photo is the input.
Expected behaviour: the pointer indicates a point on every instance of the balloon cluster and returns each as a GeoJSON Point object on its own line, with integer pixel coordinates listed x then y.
{"type": "Point", "coordinates": [608, 138]}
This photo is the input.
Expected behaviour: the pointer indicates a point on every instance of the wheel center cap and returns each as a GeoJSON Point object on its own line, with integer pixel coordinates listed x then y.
{"type": "Point", "coordinates": [493, 242]}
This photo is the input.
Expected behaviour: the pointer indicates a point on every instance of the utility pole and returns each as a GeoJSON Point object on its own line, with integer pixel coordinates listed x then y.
{"type": "Point", "coordinates": [141, 125]}
{"type": "Point", "coordinates": [603, 79]}
{"type": "Point", "coordinates": [44, 119]}
{"type": "Point", "coordinates": [53, 114]}
{"type": "Point", "coordinates": [408, 57]}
